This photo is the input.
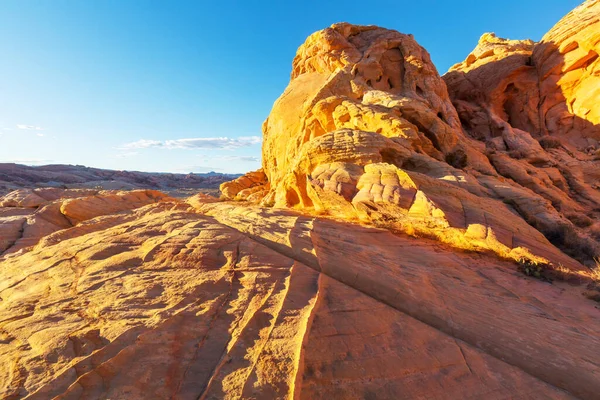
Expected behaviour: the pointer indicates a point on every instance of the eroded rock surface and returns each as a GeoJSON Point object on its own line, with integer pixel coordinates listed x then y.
{"type": "Point", "coordinates": [348, 278]}
{"type": "Point", "coordinates": [251, 186]}
{"type": "Point", "coordinates": [498, 155]}
{"type": "Point", "coordinates": [27, 215]}
{"type": "Point", "coordinates": [224, 301]}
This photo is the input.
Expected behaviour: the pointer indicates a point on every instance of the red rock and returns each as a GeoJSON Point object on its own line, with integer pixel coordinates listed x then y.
{"type": "Point", "coordinates": [364, 290]}
{"type": "Point", "coordinates": [367, 130]}
{"type": "Point", "coordinates": [531, 105]}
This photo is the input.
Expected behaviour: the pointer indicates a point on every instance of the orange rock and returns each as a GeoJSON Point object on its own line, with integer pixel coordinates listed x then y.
{"type": "Point", "coordinates": [84, 208]}
{"type": "Point", "coordinates": [568, 64]}
{"type": "Point", "coordinates": [252, 183]}
{"type": "Point", "coordinates": [366, 112]}
{"type": "Point", "coordinates": [533, 106]}
{"type": "Point", "coordinates": [33, 198]}
{"type": "Point", "coordinates": [201, 198]}
{"type": "Point", "coordinates": [228, 301]}
{"type": "Point", "coordinates": [21, 230]}
{"type": "Point", "coordinates": [137, 295]}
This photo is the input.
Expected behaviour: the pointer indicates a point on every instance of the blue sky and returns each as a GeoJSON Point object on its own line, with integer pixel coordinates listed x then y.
{"type": "Point", "coordinates": [184, 86]}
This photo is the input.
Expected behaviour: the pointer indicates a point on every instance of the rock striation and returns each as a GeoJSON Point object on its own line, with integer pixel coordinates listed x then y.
{"type": "Point", "coordinates": [216, 300]}
{"type": "Point", "coordinates": [27, 215]}
{"type": "Point", "coordinates": [534, 106]}
{"type": "Point", "coordinates": [339, 271]}
{"type": "Point", "coordinates": [500, 154]}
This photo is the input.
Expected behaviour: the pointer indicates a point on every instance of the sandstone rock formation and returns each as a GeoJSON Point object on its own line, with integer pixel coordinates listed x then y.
{"type": "Point", "coordinates": [535, 107]}
{"type": "Point", "coordinates": [218, 300]}
{"type": "Point", "coordinates": [347, 278]}
{"type": "Point", "coordinates": [28, 215]}
{"type": "Point", "coordinates": [250, 186]}
{"type": "Point", "coordinates": [368, 130]}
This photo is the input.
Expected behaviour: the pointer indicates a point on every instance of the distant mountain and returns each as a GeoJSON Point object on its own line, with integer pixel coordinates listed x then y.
{"type": "Point", "coordinates": [16, 176]}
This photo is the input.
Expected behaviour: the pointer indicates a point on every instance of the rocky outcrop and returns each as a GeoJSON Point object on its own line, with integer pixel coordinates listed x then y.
{"type": "Point", "coordinates": [545, 89]}
{"type": "Point", "coordinates": [348, 278]}
{"type": "Point", "coordinates": [27, 215]}
{"type": "Point", "coordinates": [358, 94]}
{"type": "Point", "coordinates": [34, 198]}
{"type": "Point", "coordinates": [251, 186]}
{"type": "Point", "coordinates": [367, 130]}
{"type": "Point", "coordinates": [534, 107]}
{"type": "Point", "coordinates": [222, 300]}
{"type": "Point", "coordinates": [568, 68]}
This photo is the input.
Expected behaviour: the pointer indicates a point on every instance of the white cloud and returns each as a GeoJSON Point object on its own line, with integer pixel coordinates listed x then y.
{"type": "Point", "coordinates": [237, 158]}
{"type": "Point", "coordinates": [195, 143]}
{"type": "Point", "coordinates": [41, 134]}
{"type": "Point", "coordinates": [30, 127]}
{"type": "Point", "coordinates": [142, 144]}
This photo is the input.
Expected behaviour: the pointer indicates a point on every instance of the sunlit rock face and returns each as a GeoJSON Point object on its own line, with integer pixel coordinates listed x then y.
{"type": "Point", "coordinates": [569, 72]}
{"type": "Point", "coordinates": [200, 299]}
{"type": "Point", "coordinates": [535, 107]}
{"type": "Point", "coordinates": [367, 130]}
{"type": "Point", "coordinates": [251, 186]}
{"type": "Point", "coordinates": [28, 215]}
{"type": "Point", "coordinates": [358, 95]}
{"type": "Point", "coordinates": [136, 295]}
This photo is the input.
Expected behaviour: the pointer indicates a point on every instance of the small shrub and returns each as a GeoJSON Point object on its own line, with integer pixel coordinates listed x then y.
{"type": "Point", "coordinates": [548, 273]}
{"type": "Point", "coordinates": [535, 270]}
{"type": "Point", "coordinates": [595, 274]}
{"type": "Point", "coordinates": [593, 287]}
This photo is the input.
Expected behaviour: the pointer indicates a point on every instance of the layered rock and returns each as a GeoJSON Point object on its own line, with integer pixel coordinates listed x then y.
{"type": "Point", "coordinates": [137, 295]}
{"type": "Point", "coordinates": [28, 215]}
{"type": "Point", "coordinates": [545, 88]}
{"type": "Point", "coordinates": [34, 198]}
{"type": "Point", "coordinates": [569, 74]}
{"type": "Point", "coordinates": [227, 301]}
{"type": "Point", "coordinates": [534, 105]}
{"type": "Point", "coordinates": [367, 130]}
{"type": "Point", "coordinates": [251, 186]}
{"type": "Point", "coordinates": [377, 82]}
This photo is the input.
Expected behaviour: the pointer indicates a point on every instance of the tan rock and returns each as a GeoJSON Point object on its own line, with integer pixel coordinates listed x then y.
{"type": "Point", "coordinates": [568, 65]}
{"type": "Point", "coordinates": [200, 198]}
{"type": "Point", "coordinates": [84, 208]}
{"type": "Point", "coordinates": [244, 302]}
{"type": "Point", "coordinates": [365, 112]}
{"type": "Point", "coordinates": [531, 103]}
{"type": "Point", "coordinates": [137, 295]}
{"type": "Point", "coordinates": [11, 230]}
{"type": "Point", "coordinates": [34, 198]}
{"type": "Point", "coordinates": [245, 185]}
{"type": "Point", "coordinates": [358, 78]}
{"type": "Point", "coordinates": [24, 230]}
{"type": "Point", "coordinates": [22, 198]}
